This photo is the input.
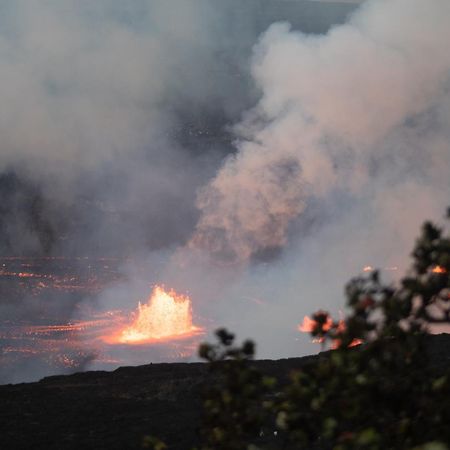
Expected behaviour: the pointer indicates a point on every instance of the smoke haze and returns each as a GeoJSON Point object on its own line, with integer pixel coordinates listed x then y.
{"type": "Point", "coordinates": [335, 113]}
{"type": "Point", "coordinates": [346, 153]}
{"type": "Point", "coordinates": [254, 163]}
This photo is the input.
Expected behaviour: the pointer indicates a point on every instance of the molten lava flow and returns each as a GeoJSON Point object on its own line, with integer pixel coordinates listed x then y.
{"type": "Point", "coordinates": [166, 315]}
{"type": "Point", "coordinates": [439, 269]}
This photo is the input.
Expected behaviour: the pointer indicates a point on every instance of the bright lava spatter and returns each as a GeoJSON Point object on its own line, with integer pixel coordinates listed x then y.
{"type": "Point", "coordinates": [167, 315]}
{"type": "Point", "coordinates": [309, 325]}
{"type": "Point", "coordinates": [53, 343]}
{"type": "Point", "coordinates": [439, 269]}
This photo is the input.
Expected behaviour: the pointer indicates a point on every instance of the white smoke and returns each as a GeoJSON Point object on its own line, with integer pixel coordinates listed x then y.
{"type": "Point", "coordinates": [362, 108]}
{"type": "Point", "coordinates": [343, 156]}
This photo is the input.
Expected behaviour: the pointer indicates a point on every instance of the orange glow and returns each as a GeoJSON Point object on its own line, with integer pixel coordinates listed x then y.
{"type": "Point", "coordinates": [337, 343]}
{"type": "Point", "coordinates": [69, 344]}
{"type": "Point", "coordinates": [165, 316]}
{"type": "Point", "coordinates": [355, 342]}
{"type": "Point", "coordinates": [439, 269]}
{"type": "Point", "coordinates": [309, 325]}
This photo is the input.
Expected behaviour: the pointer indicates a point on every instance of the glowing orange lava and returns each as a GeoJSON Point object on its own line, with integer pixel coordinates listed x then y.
{"type": "Point", "coordinates": [439, 269]}
{"type": "Point", "coordinates": [309, 325]}
{"type": "Point", "coordinates": [167, 315]}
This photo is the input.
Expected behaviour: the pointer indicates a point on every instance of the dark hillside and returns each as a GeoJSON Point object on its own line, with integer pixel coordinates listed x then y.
{"type": "Point", "coordinates": [114, 410]}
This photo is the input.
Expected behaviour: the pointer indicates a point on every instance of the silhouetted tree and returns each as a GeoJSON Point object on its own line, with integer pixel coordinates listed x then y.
{"type": "Point", "coordinates": [382, 394]}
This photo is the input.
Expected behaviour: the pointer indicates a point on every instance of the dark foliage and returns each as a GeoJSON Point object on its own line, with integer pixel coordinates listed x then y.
{"type": "Point", "coordinates": [381, 394]}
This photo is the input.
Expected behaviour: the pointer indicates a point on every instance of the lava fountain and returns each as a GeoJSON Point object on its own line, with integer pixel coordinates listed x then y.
{"type": "Point", "coordinates": [166, 316]}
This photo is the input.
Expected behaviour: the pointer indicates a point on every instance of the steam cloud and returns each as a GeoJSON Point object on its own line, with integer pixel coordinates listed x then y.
{"type": "Point", "coordinates": [330, 108]}
{"type": "Point", "coordinates": [101, 105]}
{"type": "Point", "coordinates": [117, 113]}
{"type": "Point", "coordinates": [337, 112]}
{"type": "Point", "coordinates": [343, 157]}
{"type": "Point", "coordinates": [142, 129]}
{"type": "Point", "coordinates": [113, 115]}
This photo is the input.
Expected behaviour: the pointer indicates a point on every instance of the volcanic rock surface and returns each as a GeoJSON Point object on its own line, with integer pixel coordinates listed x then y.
{"type": "Point", "coordinates": [115, 410]}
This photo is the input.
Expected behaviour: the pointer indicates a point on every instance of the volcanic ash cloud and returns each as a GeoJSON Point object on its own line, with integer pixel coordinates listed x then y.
{"type": "Point", "coordinates": [337, 111]}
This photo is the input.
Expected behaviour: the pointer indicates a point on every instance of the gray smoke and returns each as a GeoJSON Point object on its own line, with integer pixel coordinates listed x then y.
{"type": "Point", "coordinates": [94, 106]}
{"type": "Point", "coordinates": [116, 113]}
{"type": "Point", "coordinates": [255, 165]}
{"type": "Point", "coordinates": [364, 107]}
{"type": "Point", "coordinates": [113, 115]}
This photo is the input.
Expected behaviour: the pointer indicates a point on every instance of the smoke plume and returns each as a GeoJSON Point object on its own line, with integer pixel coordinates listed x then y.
{"type": "Point", "coordinates": [364, 105]}
{"type": "Point", "coordinates": [252, 163]}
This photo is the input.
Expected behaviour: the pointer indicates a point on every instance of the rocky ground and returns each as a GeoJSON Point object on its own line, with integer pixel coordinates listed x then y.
{"type": "Point", "coordinates": [111, 410]}
{"type": "Point", "coordinates": [115, 410]}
